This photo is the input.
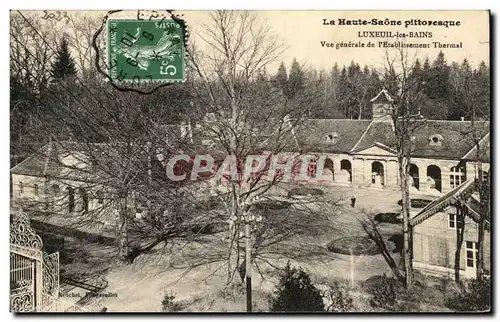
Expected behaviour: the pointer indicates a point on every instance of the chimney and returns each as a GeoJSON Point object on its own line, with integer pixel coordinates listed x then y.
{"type": "Point", "coordinates": [462, 118]}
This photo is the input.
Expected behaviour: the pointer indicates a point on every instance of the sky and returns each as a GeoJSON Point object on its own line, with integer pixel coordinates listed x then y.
{"type": "Point", "coordinates": [303, 31]}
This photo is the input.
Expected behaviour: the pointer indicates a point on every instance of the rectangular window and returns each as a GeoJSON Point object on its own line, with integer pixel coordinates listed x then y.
{"type": "Point", "coordinates": [484, 176]}
{"type": "Point", "coordinates": [452, 221]}
{"type": "Point", "coordinates": [471, 253]}
{"type": "Point", "coordinates": [35, 188]}
{"type": "Point", "coordinates": [457, 176]}
{"type": "Point", "coordinates": [21, 188]}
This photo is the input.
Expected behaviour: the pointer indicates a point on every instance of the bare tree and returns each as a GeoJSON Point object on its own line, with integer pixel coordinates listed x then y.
{"type": "Point", "coordinates": [237, 45]}
{"type": "Point", "coordinates": [370, 226]}
{"type": "Point", "coordinates": [460, 229]}
{"type": "Point", "coordinates": [23, 107]}
{"type": "Point", "coordinates": [406, 119]}
{"type": "Point", "coordinates": [468, 97]}
{"type": "Point", "coordinates": [111, 144]}
{"type": "Point", "coordinates": [80, 34]}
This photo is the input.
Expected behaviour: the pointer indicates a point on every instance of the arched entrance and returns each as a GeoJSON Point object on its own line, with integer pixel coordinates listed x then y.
{"type": "Point", "coordinates": [377, 173]}
{"type": "Point", "coordinates": [434, 177]}
{"type": "Point", "coordinates": [71, 199]}
{"type": "Point", "coordinates": [346, 167]}
{"type": "Point", "coordinates": [414, 176]}
{"type": "Point", "coordinates": [329, 166]}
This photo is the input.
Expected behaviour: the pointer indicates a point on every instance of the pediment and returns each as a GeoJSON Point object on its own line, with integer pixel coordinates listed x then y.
{"type": "Point", "coordinates": [377, 149]}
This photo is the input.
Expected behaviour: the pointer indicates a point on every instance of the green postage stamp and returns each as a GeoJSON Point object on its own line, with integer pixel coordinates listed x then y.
{"type": "Point", "coordinates": [141, 50]}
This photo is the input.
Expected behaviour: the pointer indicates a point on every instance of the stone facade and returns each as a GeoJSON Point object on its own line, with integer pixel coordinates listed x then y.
{"type": "Point", "coordinates": [61, 196]}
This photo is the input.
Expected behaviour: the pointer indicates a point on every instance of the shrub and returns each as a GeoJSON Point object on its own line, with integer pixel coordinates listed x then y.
{"type": "Point", "coordinates": [408, 306]}
{"type": "Point", "coordinates": [416, 203]}
{"type": "Point", "coordinates": [296, 293]}
{"type": "Point", "coordinates": [475, 296]}
{"type": "Point", "coordinates": [169, 304]}
{"type": "Point", "coordinates": [360, 245]}
{"type": "Point", "coordinates": [272, 205]}
{"type": "Point", "coordinates": [303, 191]}
{"type": "Point", "coordinates": [388, 217]}
{"type": "Point", "coordinates": [384, 293]}
{"type": "Point", "coordinates": [338, 297]}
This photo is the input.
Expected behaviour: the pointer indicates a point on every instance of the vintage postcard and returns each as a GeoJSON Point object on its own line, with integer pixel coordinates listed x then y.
{"type": "Point", "coordinates": [250, 161]}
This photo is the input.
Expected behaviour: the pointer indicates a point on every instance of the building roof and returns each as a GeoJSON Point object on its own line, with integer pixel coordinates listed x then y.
{"type": "Point", "coordinates": [383, 95]}
{"type": "Point", "coordinates": [455, 139]}
{"type": "Point", "coordinates": [458, 194]}
{"type": "Point", "coordinates": [484, 150]}
{"type": "Point", "coordinates": [313, 134]}
{"type": "Point", "coordinates": [99, 161]}
{"type": "Point", "coordinates": [378, 132]}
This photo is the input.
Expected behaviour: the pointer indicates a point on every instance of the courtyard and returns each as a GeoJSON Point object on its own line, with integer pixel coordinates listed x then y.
{"type": "Point", "coordinates": [141, 286]}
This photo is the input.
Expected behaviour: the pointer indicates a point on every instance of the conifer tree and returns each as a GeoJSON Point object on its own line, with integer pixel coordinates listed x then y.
{"type": "Point", "coordinates": [296, 293]}
{"type": "Point", "coordinates": [343, 93]}
{"type": "Point", "coordinates": [439, 75]}
{"type": "Point", "coordinates": [296, 80]}
{"type": "Point", "coordinates": [281, 78]}
{"type": "Point", "coordinates": [391, 82]}
{"type": "Point", "coordinates": [64, 65]}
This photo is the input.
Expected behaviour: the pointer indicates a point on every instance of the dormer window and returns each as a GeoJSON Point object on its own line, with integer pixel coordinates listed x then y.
{"type": "Point", "coordinates": [332, 136]}
{"type": "Point", "coordinates": [435, 139]}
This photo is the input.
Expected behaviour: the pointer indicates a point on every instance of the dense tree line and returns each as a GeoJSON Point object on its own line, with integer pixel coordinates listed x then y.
{"type": "Point", "coordinates": [346, 91]}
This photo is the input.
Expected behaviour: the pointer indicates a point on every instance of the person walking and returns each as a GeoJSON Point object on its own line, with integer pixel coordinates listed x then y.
{"type": "Point", "coordinates": [353, 201]}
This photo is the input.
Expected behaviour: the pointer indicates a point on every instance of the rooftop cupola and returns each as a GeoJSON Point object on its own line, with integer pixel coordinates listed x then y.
{"type": "Point", "coordinates": [382, 106]}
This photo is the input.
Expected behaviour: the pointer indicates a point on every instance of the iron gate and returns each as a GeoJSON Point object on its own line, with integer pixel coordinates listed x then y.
{"type": "Point", "coordinates": [34, 275]}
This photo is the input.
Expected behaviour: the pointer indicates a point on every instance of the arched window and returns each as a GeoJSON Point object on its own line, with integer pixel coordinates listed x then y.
{"type": "Point", "coordinates": [434, 177]}
{"type": "Point", "coordinates": [347, 166]}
